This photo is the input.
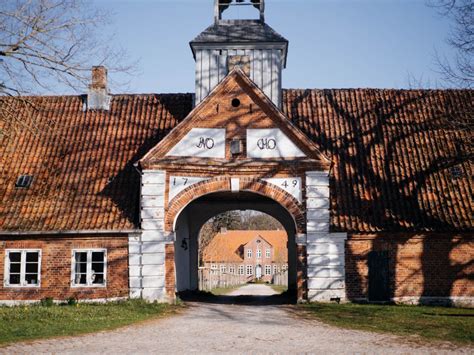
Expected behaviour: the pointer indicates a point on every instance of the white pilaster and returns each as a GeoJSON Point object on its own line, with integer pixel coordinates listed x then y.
{"type": "Point", "coordinates": [325, 250]}
{"type": "Point", "coordinates": [147, 250]}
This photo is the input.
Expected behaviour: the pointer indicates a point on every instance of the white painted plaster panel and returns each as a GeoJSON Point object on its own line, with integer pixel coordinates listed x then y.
{"type": "Point", "coordinates": [317, 226]}
{"type": "Point", "coordinates": [235, 184]}
{"type": "Point", "coordinates": [135, 293]}
{"type": "Point", "coordinates": [317, 191]}
{"type": "Point", "coordinates": [326, 237]}
{"type": "Point", "coordinates": [153, 224]}
{"type": "Point", "coordinates": [179, 183]}
{"type": "Point", "coordinates": [153, 201]}
{"type": "Point", "coordinates": [134, 248]}
{"type": "Point", "coordinates": [153, 213]}
{"type": "Point", "coordinates": [135, 282]}
{"type": "Point", "coordinates": [153, 236]}
{"type": "Point", "coordinates": [152, 189]}
{"type": "Point", "coordinates": [154, 294]}
{"type": "Point", "coordinates": [153, 259]}
{"type": "Point", "coordinates": [153, 177]}
{"type": "Point", "coordinates": [270, 143]}
{"type": "Point", "coordinates": [153, 247]}
{"type": "Point", "coordinates": [321, 202]}
{"type": "Point", "coordinates": [153, 270]}
{"type": "Point", "coordinates": [325, 248]}
{"type": "Point", "coordinates": [134, 259]}
{"type": "Point", "coordinates": [318, 214]}
{"type": "Point", "coordinates": [321, 179]}
{"type": "Point", "coordinates": [201, 142]}
{"type": "Point", "coordinates": [332, 272]}
{"type": "Point", "coordinates": [325, 295]}
{"type": "Point", "coordinates": [134, 270]}
{"type": "Point", "coordinates": [325, 260]}
{"type": "Point", "coordinates": [153, 281]}
{"type": "Point", "coordinates": [325, 283]}
{"type": "Point", "coordinates": [290, 185]}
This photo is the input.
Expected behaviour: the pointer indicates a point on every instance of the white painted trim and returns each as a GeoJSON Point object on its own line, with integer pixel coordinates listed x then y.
{"type": "Point", "coordinates": [6, 276]}
{"type": "Point", "coordinates": [463, 301]}
{"type": "Point", "coordinates": [14, 303]}
{"type": "Point", "coordinates": [88, 268]}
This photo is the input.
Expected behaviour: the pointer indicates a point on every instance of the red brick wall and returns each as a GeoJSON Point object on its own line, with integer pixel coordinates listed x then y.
{"type": "Point", "coordinates": [56, 267]}
{"type": "Point", "coordinates": [420, 265]}
{"type": "Point", "coordinates": [170, 279]}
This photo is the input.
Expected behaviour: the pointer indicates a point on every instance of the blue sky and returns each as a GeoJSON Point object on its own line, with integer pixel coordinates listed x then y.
{"type": "Point", "coordinates": [333, 43]}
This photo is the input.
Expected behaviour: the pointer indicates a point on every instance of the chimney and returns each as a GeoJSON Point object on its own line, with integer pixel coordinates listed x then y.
{"type": "Point", "coordinates": [98, 97]}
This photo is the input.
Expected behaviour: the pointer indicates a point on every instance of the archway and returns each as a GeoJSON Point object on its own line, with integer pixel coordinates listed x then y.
{"type": "Point", "coordinates": [197, 212]}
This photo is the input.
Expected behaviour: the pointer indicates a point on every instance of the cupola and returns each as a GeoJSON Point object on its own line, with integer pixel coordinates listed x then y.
{"type": "Point", "coordinates": [248, 43]}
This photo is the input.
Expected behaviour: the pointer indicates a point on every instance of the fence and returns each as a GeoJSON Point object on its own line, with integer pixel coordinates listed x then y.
{"type": "Point", "coordinates": [280, 278]}
{"type": "Point", "coordinates": [210, 279]}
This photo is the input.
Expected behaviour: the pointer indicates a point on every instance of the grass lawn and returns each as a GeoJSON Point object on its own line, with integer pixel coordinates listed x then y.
{"type": "Point", "coordinates": [436, 323]}
{"type": "Point", "coordinates": [35, 321]}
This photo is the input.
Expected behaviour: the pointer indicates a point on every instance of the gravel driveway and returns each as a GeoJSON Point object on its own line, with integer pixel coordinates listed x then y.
{"type": "Point", "coordinates": [217, 328]}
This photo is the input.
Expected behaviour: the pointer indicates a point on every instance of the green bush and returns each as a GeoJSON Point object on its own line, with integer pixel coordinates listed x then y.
{"type": "Point", "coordinates": [47, 301]}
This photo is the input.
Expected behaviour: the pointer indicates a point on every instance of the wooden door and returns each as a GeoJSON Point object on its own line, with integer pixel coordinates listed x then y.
{"type": "Point", "coordinates": [379, 276]}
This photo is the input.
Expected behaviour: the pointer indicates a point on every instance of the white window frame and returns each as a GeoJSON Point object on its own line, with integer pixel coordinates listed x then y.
{"type": "Point", "coordinates": [249, 253]}
{"type": "Point", "coordinates": [241, 270]}
{"type": "Point", "coordinates": [268, 253]}
{"type": "Point", "coordinates": [268, 270]}
{"type": "Point", "coordinates": [23, 284]}
{"type": "Point", "coordinates": [223, 269]}
{"type": "Point", "coordinates": [89, 268]}
{"type": "Point", "coordinates": [232, 270]}
{"type": "Point", "coordinates": [259, 253]}
{"type": "Point", "coordinates": [247, 268]}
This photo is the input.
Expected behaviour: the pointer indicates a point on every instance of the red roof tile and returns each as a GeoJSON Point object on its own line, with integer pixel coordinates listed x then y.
{"type": "Point", "coordinates": [399, 162]}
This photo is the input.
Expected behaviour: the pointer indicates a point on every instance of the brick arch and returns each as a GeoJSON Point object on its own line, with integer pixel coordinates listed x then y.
{"type": "Point", "coordinates": [247, 184]}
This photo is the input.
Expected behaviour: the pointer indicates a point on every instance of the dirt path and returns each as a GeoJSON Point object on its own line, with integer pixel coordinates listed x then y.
{"type": "Point", "coordinates": [218, 328]}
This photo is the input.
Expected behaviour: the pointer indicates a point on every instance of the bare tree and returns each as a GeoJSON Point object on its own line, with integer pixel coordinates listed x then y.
{"type": "Point", "coordinates": [460, 70]}
{"type": "Point", "coordinates": [46, 42]}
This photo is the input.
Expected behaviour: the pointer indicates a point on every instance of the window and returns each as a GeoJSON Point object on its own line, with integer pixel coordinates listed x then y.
{"type": "Point", "coordinates": [24, 181]}
{"type": "Point", "coordinates": [268, 253]}
{"type": "Point", "coordinates": [22, 268]}
{"type": "Point", "coordinates": [232, 269]}
{"type": "Point", "coordinates": [268, 269]}
{"type": "Point", "coordinates": [89, 267]}
{"type": "Point", "coordinates": [249, 270]}
{"type": "Point", "coordinates": [284, 267]}
{"type": "Point", "coordinates": [223, 269]}
{"type": "Point", "coordinates": [213, 266]}
{"type": "Point", "coordinates": [249, 253]}
{"type": "Point", "coordinates": [275, 269]}
{"type": "Point", "coordinates": [241, 269]}
{"type": "Point", "coordinates": [259, 253]}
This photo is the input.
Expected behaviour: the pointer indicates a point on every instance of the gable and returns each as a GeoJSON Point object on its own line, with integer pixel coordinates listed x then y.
{"type": "Point", "coordinates": [236, 115]}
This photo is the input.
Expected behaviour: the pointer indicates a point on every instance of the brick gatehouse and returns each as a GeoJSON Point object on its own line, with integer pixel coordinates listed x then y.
{"type": "Point", "coordinates": [372, 186]}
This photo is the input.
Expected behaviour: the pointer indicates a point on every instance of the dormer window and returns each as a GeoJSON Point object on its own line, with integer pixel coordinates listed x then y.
{"type": "Point", "coordinates": [24, 181]}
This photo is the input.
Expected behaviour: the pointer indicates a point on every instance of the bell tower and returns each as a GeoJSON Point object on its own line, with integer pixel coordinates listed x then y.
{"type": "Point", "coordinates": [248, 43]}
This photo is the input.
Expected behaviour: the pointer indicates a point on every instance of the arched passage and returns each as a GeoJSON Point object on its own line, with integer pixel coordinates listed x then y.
{"type": "Point", "coordinates": [193, 216]}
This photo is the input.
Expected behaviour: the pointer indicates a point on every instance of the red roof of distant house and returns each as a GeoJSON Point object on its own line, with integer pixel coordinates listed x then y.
{"type": "Point", "coordinates": [224, 247]}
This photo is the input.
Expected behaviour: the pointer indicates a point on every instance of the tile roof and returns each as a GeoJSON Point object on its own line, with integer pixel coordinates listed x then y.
{"type": "Point", "coordinates": [224, 247]}
{"type": "Point", "coordinates": [238, 31]}
{"type": "Point", "coordinates": [400, 164]}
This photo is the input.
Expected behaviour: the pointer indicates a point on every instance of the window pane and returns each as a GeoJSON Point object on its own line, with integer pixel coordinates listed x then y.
{"type": "Point", "coordinates": [98, 267]}
{"type": "Point", "coordinates": [80, 279]}
{"type": "Point", "coordinates": [98, 256]}
{"type": "Point", "coordinates": [15, 257]}
{"type": "Point", "coordinates": [15, 268]}
{"type": "Point", "coordinates": [98, 279]}
{"type": "Point", "coordinates": [14, 279]}
{"type": "Point", "coordinates": [81, 257]}
{"type": "Point", "coordinates": [31, 279]}
{"type": "Point", "coordinates": [80, 268]}
{"type": "Point", "coordinates": [32, 257]}
{"type": "Point", "coordinates": [32, 268]}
